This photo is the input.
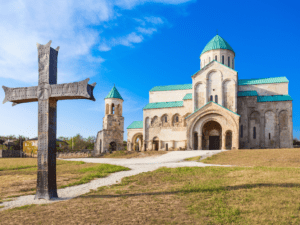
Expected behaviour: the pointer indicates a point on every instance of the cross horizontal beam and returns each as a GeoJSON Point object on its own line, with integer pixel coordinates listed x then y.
{"type": "Point", "coordinates": [75, 90]}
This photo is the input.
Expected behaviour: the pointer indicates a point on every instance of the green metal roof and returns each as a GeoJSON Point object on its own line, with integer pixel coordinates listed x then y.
{"type": "Point", "coordinates": [172, 87]}
{"type": "Point", "coordinates": [114, 94]}
{"type": "Point", "coordinates": [217, 43]}
{"type": "Point", "coordinates": [274, 98]}
{"type": "Point", "coordinates": [159, 105]}
{"type": "Point", "coordinates": [263, 81]}
{"type": "Point", "coordinates": [207, 104]}
{"type": "Point", "coordinates": [247, 93]}
{"type": "Point", "coordinates": [187, 96]}
{"type": "Point", "coordinates": [136, 125]}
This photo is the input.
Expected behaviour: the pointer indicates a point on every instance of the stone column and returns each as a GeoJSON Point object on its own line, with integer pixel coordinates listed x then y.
{"type": "Point", "coordinates": [140, 145]}
{"type": "Point", "coordinates": [277, 133]}
{"type": "Point", "coordinates": [128, 146]}
{"type": "Point", "coordinates": [207, 142]}
{"type": "Point", "coordinates": [223, 141]}
{"type": "Point", "coordinates": [262, 132]}
{"type": "Point", "coordinates": [199, 142]}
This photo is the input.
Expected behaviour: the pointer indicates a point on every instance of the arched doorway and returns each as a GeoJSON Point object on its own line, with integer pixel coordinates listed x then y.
{"type": "Point", "coordinates": [112, 146]}
{"type": "Point", "coordinates": [228, 140]}
{"type": "Point", "coordinates": [156, 143]}
{"type": "Point", "coordinates": [195, 140]}
{"type": "Point", "coordinates": [212, 139]}
{"type": "Point", "coordinates": [137, 141]}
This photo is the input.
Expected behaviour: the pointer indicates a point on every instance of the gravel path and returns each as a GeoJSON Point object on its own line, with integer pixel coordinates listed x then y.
{"type": "Point", "coordinates": [137, 165]}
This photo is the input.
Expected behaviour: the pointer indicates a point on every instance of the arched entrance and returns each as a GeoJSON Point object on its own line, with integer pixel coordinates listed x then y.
{"type": "Point", "coordinates": [112, 146]}
{"type": "Point", "coordinates": [212, 138]}
{"type": "Point", "coordinates": [156, 143]}
{"type": "Point", "coordinates": [228, 140]}
{"type": "Point", "coordinates": [137, 141]}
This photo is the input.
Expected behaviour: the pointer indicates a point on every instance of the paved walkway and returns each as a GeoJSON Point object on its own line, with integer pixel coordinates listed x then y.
{"type": "Point", "coordinates": [137, 165]}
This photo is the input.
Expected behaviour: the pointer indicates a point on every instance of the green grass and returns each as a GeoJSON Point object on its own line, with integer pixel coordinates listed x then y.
{"type": "Point", "coordinates": [185, 195]}
{"type": "Point", "coordinates": [23, 207]}
{"type": "Point", "coordinates": [11, 164]}
{"type": "Point", "coordinates": [69, 173]}
{"type": "Point", "coordinates": [98, 171]}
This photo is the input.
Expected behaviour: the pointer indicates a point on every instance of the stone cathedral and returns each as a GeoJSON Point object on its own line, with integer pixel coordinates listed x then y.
{"type": "Point", "coordinates": [217, 110]}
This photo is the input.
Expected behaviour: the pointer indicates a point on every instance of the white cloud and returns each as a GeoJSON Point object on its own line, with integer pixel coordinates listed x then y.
{"type": "Point", "coordinates": [154, 20]}
{"type": "Point", "coordinates": [76, 26]}
{"type": "Point", "coordinates": [146, 30]}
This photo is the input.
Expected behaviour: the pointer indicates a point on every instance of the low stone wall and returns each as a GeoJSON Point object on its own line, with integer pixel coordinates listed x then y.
{"type": "Point", "coordinates": [79, 154]}
{"type": "Point", "coordinates": [10, 153]}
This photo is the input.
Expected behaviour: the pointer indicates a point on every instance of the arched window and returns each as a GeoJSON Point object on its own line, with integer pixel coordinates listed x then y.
{"type": "Point", "coordinates": [176, 119]}
{"type": "Point", "coordinates": [166, 119]}
{"type": "Point", "coordinates": [228, 61]}
{"type": "Point", "coordinates": [241, 132]}
{"type": "Point", "coordinates": [216, 58]}
{"type": "Point", "coordinates": [216, 98]}
{"type": "Point", "coordinates": [254, 132]}
{"type": "Point", "coordinates": [112, 108]}
{"type": "Point", "coordinates": [223, 59]}
{"type": "Point", "coordinates": [107, 109]}
{"type": "Point", "coordinates": [211, 98]}
{"type": "Point", "coordinates": [232, 63]}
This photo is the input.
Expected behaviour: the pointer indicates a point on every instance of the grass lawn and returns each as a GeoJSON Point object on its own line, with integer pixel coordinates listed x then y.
{"type": "Point", "coordinates": [132, 154]}
{"type": "Point", "coordinates": [289, 157]}
{"type": "Point", "coordinates": [18, 175]}
{"type": "Point", "coordinates": [255, 194]}
{"type": "Point", "coordinates": [210, 195]}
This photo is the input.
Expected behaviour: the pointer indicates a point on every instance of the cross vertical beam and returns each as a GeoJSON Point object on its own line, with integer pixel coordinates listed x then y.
{"type": "Point", "coordinates": [46, 175]}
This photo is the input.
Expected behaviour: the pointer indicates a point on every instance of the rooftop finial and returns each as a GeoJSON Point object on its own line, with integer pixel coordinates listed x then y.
{"type": "Point", "coordinates": [217, 31]}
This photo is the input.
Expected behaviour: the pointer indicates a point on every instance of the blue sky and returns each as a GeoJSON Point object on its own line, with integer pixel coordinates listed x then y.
{"type": "Point", "coordinates": [138, 44]}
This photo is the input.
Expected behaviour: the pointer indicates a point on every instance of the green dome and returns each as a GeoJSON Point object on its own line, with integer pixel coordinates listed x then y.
{"type": "Point", "coordinates": [217, 43]}
{"type": "Point", "coordinates": [114, 94]}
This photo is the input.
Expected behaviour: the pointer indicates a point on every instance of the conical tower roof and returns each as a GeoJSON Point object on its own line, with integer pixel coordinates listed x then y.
{"type": "Point", "coordinates": [114, 94]}
{"type": "Point", "coordinates": [217, 43]}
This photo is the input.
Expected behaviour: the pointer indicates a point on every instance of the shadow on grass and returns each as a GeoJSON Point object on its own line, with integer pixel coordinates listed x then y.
{"type": "Point", "coordinates": [196, 190]}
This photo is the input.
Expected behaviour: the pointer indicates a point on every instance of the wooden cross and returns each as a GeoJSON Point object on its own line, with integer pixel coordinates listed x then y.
{"type": "Point", "coordinates": [47, 93]}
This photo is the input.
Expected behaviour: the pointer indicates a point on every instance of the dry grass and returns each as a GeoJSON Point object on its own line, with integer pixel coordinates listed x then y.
{"type": "Point", "coordinates": [17, 163]}
{"type": "Point", "coordinates": [259, 157]}
{"type": "Point", "coordinates": [18, 176]}
{"type": "Point", "coordinates": [132, 154]}
{"type": "Point", "coordinates": [196, 158]}
{"type": "Point", "coordinates": [210, 195]}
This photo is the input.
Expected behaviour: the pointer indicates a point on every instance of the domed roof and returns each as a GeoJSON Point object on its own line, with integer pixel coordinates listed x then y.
{"type": "Point", "coordinates": [217, 43]}
{"type": "Point", "coordinates": [114, 94]}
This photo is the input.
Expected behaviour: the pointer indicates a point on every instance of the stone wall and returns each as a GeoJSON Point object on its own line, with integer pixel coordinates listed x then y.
{"type": "Point", "coordinates": [272, 121]}
{"type": "Point", "coordinates": [171, 134]}
{"type": "Point", "coordinates": [10, 153]}
{"type": "Point", "coordinates": [168, 96]}
{"type": "Point", "coordinates": [78, 154]}
{"type": "Point", "coordinates": [215, 80]}
{"type": "Point", "coordinates": [267, 89]}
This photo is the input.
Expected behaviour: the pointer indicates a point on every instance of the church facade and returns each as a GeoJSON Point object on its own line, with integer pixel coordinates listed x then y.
{"type": "Point", "coordinates": [217, 110]}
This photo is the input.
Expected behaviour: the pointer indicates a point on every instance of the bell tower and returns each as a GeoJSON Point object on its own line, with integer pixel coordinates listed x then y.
{"type": "Point", "coordinates": [110, 138]}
